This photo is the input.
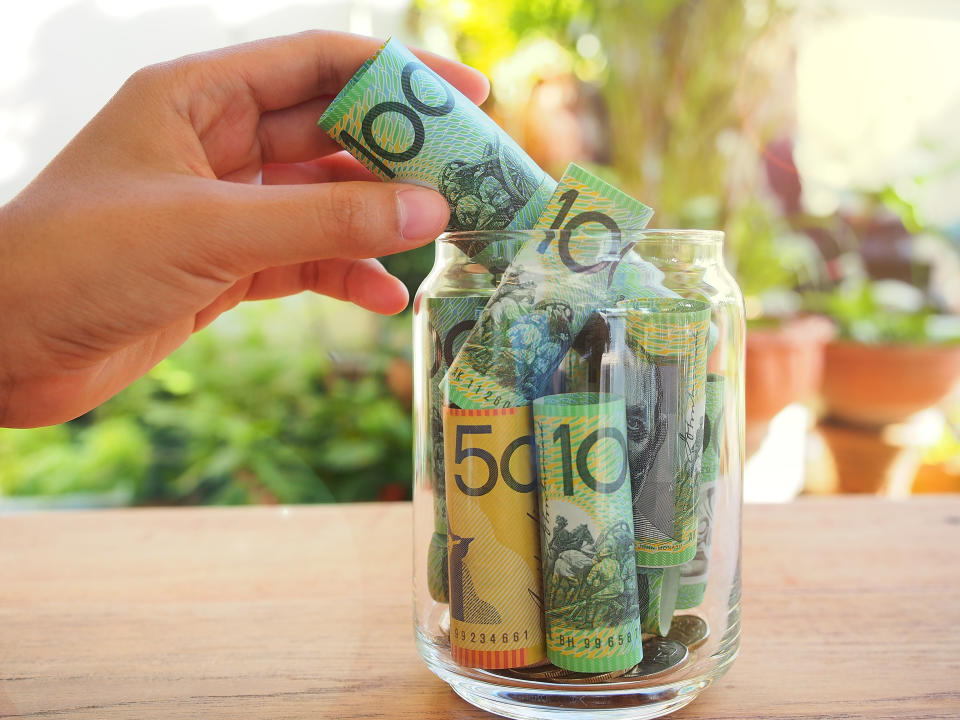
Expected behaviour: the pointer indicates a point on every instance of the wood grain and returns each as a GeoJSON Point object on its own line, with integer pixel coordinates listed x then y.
{"type": "Point", "coordinates": [851, 610]}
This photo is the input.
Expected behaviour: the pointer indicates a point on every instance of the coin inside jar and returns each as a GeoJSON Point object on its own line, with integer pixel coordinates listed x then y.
{"type": "Point", "coordinates": [691, 630]}
{"type": "Point", "coordinates": [552, 673]}
{"type": "Point", "coordinates": [659, 656]}
{"type": "Point", "coordinates": [589, 678]}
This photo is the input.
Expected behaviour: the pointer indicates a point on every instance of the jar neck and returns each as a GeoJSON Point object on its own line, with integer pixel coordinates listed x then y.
{"type": "Point", "coordinates": [678, 248]}
{"type": "Point", "coordinates": [675, 247]}
{"type": "Point", "coordinates": [445, 252]}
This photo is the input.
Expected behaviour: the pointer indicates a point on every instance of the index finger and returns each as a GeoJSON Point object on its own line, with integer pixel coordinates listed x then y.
{"type": "Point", "coordinates": [285, 71]}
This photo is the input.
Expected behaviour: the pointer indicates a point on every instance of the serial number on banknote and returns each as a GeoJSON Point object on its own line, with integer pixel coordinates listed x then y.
{"type": "Point", "coordinates": [594, 643]}
{"type": "Point", "coordinates": [491, 638]}
{"type": "Point", "coordinates": [471, 382]}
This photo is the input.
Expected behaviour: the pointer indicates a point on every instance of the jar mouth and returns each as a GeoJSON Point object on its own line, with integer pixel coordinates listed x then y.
{"type": "Point", "coordinates": [692, 236]}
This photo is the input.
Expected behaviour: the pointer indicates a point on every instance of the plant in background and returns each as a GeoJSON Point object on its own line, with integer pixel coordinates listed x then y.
{"type": "Point", "coordinates": [686, 82]}
{"type": "Point", "coordinates": [691, 92]}
{"type": "Point", "coordinates": [253, 409]}
{"type": "Point", "coordinates": [876, 312]}
{"type": "Point", "coordinates": [94, 459]}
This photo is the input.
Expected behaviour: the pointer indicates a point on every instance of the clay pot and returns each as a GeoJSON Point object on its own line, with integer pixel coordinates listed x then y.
{"type": "Point", "coordinates": [866, 461]}
{"type": "Point", "coordinates": [877, 385]}
{"type": "Point", "coordinates": [784, 365]}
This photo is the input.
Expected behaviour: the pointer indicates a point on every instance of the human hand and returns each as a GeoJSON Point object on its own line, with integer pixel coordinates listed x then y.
{"type": "Point", "coordinates": [150, 224]}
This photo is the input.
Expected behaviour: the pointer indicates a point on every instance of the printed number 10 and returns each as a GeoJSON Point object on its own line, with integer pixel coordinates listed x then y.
{"type": "Point", "coordinates": [562, 435]}
{"type": "Point", "coordinates": [588, 216]}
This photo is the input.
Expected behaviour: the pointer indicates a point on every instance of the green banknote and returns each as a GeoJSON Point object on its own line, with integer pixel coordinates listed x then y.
{"type": "Point", "coordinates": [665, 395]}
{"type": "Point", "coordinates": [583, 203]}
{"type": "Point", "coordinates": [407, 124]}
{"type": "Point", "coordinates": [587, 547]}
{"type": "Point", "coordinates": [619, 370]}
{"type": "Point", "coordinates": [693, 574]}
{"type": "Point", "coordinates": [449, 320]}
{"type": "Point", "coordinates": [548, 293]}
{"type": "Point", "coordinates": [657, 590]}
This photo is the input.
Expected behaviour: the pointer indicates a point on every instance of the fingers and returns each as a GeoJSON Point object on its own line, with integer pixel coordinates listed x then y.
{"type": "Point", "coordinates": [363, 282]}
{"type": "Point", "coordinates": [339, 167]}
{"type": "Point", "coordinates": [286, 71]}
{"type": "Point", "coordinates": [292, 134]}
{"type": "Point", "coordinates": [235, 230]}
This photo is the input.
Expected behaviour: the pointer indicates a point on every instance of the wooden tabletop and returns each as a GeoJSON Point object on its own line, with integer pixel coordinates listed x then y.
{"type": "Point", "coordinates": [851, 610]}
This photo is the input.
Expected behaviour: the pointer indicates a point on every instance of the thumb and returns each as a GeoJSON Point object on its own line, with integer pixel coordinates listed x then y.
{"type": "Point", "coordinates": [242, 229]}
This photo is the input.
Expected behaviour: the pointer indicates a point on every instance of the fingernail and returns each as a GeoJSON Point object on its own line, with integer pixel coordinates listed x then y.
{"type": "Point", "coordinates": [423, 213]}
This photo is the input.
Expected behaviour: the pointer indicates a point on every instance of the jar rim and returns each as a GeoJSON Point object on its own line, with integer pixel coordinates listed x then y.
{"type": "Point", "coordinates": [688, 236]}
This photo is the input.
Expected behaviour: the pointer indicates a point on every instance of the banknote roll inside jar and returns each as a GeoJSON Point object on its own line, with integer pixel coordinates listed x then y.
{"type": "Point", "coordinates": [578, 420]}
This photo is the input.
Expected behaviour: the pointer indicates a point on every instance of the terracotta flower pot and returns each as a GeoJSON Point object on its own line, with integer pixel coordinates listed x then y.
{"type": "Point", "coordinates": [882, 384]}
{"type": "Point", "coordinates": [868, 462]}
{"type": "Point", "coordinates": [784, 365]}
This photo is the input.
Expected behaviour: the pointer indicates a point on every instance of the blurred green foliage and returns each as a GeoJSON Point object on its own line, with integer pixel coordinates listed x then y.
{"type": "Point", "coordinates": [868, 312]}
{"type": "Point", "coordinates": [82, 458]}
{"type": "Point", "coordinates": [691, 88]}
{"type": "Point", "coordinates": [252, 409]}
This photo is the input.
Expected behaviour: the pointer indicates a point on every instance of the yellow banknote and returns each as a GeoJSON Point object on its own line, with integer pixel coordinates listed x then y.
{"type": "Point", "coordinates": [496, 601]}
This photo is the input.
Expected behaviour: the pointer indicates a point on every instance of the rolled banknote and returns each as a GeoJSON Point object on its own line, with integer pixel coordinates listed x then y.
{"type": "Point", "coordinates": [693, 574]}
{"type": "Point", "coordinates": [549, 292]}
{"type": "Point", "coordinates": [657, 590]}
{"type": "Point", "coordinates": [407, 124]}
{"type": "Point", "coordinates": [496, 602]}
{"type": "Point", "coordinates": [665, 405]}
{"type": "Point", "coordinates": [656, 587]}
{"type": "Point", "coordinates": [583, 203]}
{"type": "Point", "coordinates": [589, 571]}
{"type": "Point", "coordinates": [449, 320]}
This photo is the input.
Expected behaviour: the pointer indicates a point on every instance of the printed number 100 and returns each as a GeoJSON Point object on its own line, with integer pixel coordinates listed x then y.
{"type": "Point", "coordinates": [408, 112]}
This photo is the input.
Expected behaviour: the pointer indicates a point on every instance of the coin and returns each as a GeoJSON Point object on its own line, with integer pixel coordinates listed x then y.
{"type": "Point", "coordinates": [691, 630]}
{"type": "Point", "coordinates": [552, 673]}
{"type": "Point", "coordinates": [547, 671]}
{"type": "Point", "coordinates": [589, 678]}
{"type": "Point", "coordinates": [538, 671]}
{"type": "Point", "coordinates": [659, 656]}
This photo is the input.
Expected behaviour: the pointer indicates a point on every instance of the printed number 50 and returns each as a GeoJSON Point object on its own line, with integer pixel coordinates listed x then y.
{"type": "Point", "coordinates": [493, 470]}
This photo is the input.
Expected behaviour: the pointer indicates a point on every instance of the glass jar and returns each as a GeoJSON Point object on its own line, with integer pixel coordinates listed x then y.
{"type": "Point", "coordinates": [578, 415]}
